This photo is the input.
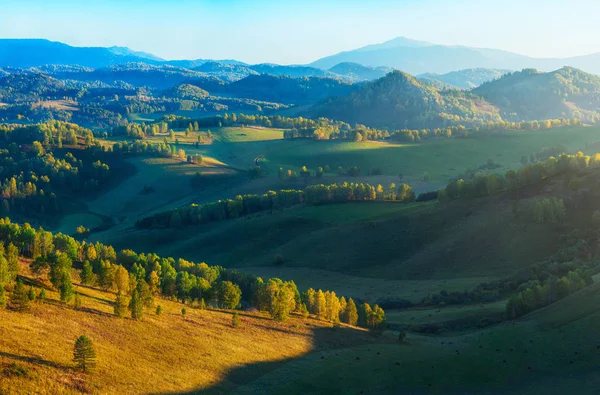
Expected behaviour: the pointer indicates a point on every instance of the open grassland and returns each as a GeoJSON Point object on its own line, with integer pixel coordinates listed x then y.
{"type": "Point", "coordinates": [552, 351]}
{"type": "Point", "coordinates": [160, 354]}
{"type": "Point", "coordinates": [438, 315]}
{"type": "Point", "coordinates": [169, 180]}
{"type": "Point", "coordinates": [442, 159]}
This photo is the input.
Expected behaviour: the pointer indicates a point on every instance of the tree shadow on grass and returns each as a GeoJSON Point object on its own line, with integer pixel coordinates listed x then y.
{"type": "Point", "coordinates": [30, 359]}
{"type": "Point", "coordinates": [324, 339]}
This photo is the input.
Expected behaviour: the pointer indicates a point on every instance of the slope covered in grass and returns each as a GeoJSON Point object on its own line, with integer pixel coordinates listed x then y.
{"type": "Point", "coordinates": [160, 354]}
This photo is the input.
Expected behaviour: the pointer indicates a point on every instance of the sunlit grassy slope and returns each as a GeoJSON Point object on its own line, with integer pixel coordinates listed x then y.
{"type": "Point", "coordinates": [160, 354]}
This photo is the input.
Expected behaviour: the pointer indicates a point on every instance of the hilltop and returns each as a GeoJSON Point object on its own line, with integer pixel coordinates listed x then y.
{"type": "Point", "coordinates": [399, 101]}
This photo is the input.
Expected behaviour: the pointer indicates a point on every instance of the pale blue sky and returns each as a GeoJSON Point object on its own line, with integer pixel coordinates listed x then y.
{"type": "Point", "coordinates": [293, 31]}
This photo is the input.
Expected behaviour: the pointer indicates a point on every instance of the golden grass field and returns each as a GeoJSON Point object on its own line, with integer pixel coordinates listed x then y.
{"type": "Point", "coordinates": [160, 354]}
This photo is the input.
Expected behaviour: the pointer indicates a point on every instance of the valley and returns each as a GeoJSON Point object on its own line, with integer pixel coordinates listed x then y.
{"type": "Point", "coordinates": [402, 217]}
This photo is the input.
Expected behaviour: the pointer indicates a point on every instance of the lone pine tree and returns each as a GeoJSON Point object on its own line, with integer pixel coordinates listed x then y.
{"type": "Point", "coordinates": [84, 354]}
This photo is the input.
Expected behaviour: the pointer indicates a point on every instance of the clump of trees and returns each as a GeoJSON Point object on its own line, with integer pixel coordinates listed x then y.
{"type": "Point", "coordinates": [549, 210]}
{"type": "Point", "coordinates": [138, 279]}
{"type": "Point", "coordinates": [538, 295]}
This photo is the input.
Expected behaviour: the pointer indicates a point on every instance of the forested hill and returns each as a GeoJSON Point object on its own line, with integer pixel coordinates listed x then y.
{"type": "Point", "coordinates": [530, 94]}
{"type": "Point", "coordinates": [400, 101]}
{"type": "Point", "coordinates": [464, 79]}
{"type": "Point", "coordinates": [284, 89]}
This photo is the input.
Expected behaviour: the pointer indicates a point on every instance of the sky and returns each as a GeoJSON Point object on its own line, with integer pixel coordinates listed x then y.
{"type": "Point", "coordinates": [299, 32]}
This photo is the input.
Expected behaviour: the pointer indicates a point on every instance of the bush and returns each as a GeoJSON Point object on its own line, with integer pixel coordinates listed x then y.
{"type": "Point", "coordinates": [235, 320]}
{"type": "Point", "coordinates": [15, 369]}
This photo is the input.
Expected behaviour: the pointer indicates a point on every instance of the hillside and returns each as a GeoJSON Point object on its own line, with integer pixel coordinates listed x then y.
{"type": "Point", "coordinates": [400, 101]}
{"type": "Point", "coordinates": [416, 57]}
{"type": "Point", "coordinates": [534, 95]}
{"type": "Point", "coordinates": [463, 79]}
{"type": "Point", "coordinates": [190, 353]}
{"type": "Point", "coordinates": [284, 89]}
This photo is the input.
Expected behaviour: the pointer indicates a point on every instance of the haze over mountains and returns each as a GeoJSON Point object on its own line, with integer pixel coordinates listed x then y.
{"type": "Point", "coordinates": [417, 57]}
{"type": "Point", "coordinates": [411, 56]}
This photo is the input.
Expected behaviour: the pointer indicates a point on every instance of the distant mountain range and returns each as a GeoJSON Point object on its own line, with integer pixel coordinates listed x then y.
{"type": "Point", "coordinates": [463, 79]}
{"type": "Point", "coordinates": [27, 53]}
{"type": "Point", "coordinates": [417, 57]}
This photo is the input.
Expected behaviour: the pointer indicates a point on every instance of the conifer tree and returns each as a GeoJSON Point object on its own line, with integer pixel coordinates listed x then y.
{"type": "Point", "coordinates": [2, 297]}
{"type": "Point", "coordinates": [42, 295]}
{"type": "Point", "coordinates": [19, 299]}
{"type": "Point", "coordinates": [84, 354]}
{"type": "Point", "coordinates": [159, 310]}
{"type": "Point", "coordinates": [136, 306]}
{"type": "Point", "coordinates": [66, 287]}
{"type": "Point", "coordinates": [5, 275]}
{"type": "Point", "coordinates": [202, 305]}
{"type": "Point", "coordinates": [183, 312]}
{"type": "Point", "coordinates": [12, 256]}
{"type": "Point", "coordinates": [87, 274]}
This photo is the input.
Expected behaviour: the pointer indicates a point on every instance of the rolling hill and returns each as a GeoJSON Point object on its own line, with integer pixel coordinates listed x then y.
{"type": "Point", "coordinates": [400, 101]}
{"type": "Point", "coordinates": [284, 89]}
{"type": "Point", "coordinates": [535, 95]}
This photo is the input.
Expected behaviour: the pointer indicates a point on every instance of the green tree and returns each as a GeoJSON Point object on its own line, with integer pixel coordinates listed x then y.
{"type": "Point", "coordinates": [12, 255]}
{"type": "Point", "coordinates": [84, 354]}
{"type": "Point", "coordinates": [230, 294]}
{"type": "Point", "coordinates": [136, 305]}
{"type": "Point", "coordinates": [159, 310]}
{"type": "Point", "coordinates": [87, 274]}
{"type": "Point", "coordinates": [20, 299]}
{"type": "Point", "coordinates": [2, 297]}
{"type": "Point", "coordinates": [183, 312]}
{"type": "Point", "coordinates": [31, 294]}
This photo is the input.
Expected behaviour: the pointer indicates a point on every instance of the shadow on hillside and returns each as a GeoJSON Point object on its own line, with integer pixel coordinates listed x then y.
{"type": "Point", "coordinates": [324, 339]}
{"type": "Point", "coordinates": [32, 360]}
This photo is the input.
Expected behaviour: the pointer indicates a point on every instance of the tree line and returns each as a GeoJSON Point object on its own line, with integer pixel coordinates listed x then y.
{"type": "Point", "coordinates": [195, 214]}
{"type": "Point", "coordinates": [530, 174]}
{"type": "Point", "coordinates": [138, 279]}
